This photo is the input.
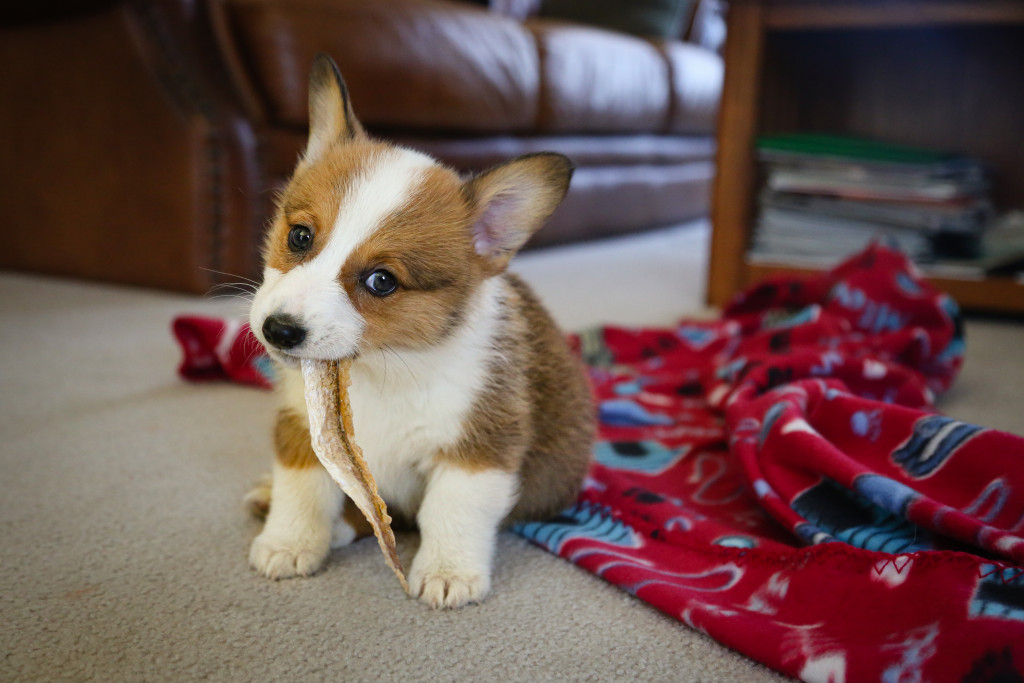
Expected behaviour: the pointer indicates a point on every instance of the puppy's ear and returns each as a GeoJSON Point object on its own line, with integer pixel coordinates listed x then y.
{"type": "Point", "coordinates": [330, 112]}
{"type": "Point", "coordinates": [513, 200]}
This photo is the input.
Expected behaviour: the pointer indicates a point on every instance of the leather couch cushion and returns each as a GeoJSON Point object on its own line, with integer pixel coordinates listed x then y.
{"type": "Point", "coordinates": [696, 75]}
{"type": "Point", "coordinates": [408, 63]}
{"type": "Point", "coordinates": [596, 81]}
{"type": "Point", "coordinates": [607, 150]}
{"type": "Point", "coordinates": [602, 200]}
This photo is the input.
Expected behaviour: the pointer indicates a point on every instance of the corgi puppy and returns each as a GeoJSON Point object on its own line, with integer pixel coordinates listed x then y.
{"type": "Point", "coordinates": [469, 406]}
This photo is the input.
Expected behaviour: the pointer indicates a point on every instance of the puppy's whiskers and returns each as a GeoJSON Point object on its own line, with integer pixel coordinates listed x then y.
{"type": "Point", "coordinates": [238, 293]}
{"type": "Point", "coordinates": [255, 284]}
{"type": "Point", "coordinates": [255, 349]}
{"type": "Point", "coordinates": [242, 292]}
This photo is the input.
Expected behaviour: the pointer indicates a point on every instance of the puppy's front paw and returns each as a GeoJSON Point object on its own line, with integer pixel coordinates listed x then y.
{"type": "Point", "coordinates": [440, 585]}
{"type": "Point", "coordinates": [283, 558]}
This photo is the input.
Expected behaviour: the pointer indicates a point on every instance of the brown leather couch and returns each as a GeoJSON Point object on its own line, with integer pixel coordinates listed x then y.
{"type": "Point", "coordinates": [143, 140]}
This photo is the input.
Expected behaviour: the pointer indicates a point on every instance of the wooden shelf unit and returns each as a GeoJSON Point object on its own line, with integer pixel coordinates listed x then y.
{"type": "Point", "coordinates": [891, 14]}
{"type": "Point", "coordinates": [933, 73]}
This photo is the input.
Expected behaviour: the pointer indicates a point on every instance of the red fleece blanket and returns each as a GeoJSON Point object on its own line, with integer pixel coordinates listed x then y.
{"type": "Point", "coordinates": [779, 480]}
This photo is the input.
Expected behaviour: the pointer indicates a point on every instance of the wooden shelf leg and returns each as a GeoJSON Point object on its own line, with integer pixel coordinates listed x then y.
{"type": "Point", "coordinates": [731, 210]}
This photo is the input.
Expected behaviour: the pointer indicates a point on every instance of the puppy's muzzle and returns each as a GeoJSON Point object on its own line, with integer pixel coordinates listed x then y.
{"type": "Point", "coordinates": [283, 331]}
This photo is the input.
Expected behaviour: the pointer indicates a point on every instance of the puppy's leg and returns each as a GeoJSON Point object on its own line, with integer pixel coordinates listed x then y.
{"type": "Point", "coordinates": [305, 506]}
{"type": "Point", "coordinates": [458, 522]}
{"type": "Point", "coordinates": [347, 528]}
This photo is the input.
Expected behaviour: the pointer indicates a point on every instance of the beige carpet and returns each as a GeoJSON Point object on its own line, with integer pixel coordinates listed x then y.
{"type": "Point", "coordinates": [124, 540]}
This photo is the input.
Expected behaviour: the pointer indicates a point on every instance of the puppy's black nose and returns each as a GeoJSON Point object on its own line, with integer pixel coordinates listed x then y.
{"type": "Point", "coordinates": [283, 331]}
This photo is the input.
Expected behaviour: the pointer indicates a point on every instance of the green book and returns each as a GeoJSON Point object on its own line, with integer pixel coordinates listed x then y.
{"type": "Point", "coordinates": [853, 149]}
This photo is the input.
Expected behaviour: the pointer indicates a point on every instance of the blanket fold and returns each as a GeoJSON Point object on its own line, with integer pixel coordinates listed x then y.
{"type": "Point", "coordinates": [780, 480]}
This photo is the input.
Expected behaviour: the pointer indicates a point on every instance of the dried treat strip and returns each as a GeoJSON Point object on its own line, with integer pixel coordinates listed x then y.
{"type": "Point", "coordinates": [326, 390]}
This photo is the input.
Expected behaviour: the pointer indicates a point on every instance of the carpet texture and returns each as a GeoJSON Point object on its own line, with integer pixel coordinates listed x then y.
{"type": "Point", "coordinates": [125, 540]}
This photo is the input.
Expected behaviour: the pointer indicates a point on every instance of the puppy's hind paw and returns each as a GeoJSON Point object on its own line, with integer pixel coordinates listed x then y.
{"type": "Point", "coordinates": [284, 559]}
{"type": "Point", "coordinates": [257, 501]}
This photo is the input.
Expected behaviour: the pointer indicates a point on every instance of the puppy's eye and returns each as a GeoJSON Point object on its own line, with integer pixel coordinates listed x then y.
{"type": "Point", "coordinates": [300, 238]}
{"type": "Point", "coordinates": [380, 283]}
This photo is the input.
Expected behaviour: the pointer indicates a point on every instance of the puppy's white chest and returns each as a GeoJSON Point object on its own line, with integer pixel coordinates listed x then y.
{"type": "Point", "coordinates": [402, 422]}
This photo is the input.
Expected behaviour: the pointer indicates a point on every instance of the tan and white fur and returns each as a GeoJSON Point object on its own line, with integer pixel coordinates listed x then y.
{"type": "Point", "coordinates": [467, 402]}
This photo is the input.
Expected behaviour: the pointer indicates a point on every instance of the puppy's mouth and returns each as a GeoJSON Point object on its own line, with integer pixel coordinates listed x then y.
{"type": "Point", "coordinates": [284, 358]}
{"type": "Point", "coordinates": [292, 359]}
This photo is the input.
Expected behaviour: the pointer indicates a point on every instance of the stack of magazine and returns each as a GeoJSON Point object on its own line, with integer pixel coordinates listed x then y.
{"type": "Point", "coordinates": [826, 197]}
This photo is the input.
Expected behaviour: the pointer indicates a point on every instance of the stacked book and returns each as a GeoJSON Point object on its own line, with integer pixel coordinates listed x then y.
{"type": "Point", "coordinates": [826, 197]}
